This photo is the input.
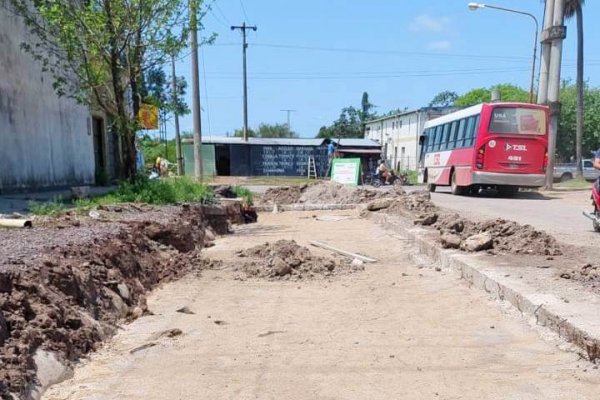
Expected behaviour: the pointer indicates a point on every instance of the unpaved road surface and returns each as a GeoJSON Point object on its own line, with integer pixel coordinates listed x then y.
{"type": "Point", "coordinates": [392, 331]}
{"type": "Point", "coordinates": [556, 213]}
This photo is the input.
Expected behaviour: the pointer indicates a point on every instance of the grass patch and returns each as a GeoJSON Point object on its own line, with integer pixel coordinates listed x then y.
{"type": "Point", "coordinates": [47, 208]}
{"type": "Point", "coordinates": [244, 193]}
{"type": "Point", "coordinates": [162, 191]}
{"type": "Point", "coordinates": [413, 176]}
{"type": "Point", "coordinates": [574, 184]}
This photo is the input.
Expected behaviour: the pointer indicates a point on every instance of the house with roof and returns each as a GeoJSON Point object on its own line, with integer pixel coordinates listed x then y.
{"type": "Point", "coordinates": [398, 134]}
{"type": "Point", "coordinates": [232, 156]}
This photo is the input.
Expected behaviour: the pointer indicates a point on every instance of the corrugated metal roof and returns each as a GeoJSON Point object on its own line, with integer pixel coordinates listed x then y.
{"type": "Point", "coordinates": [356, 142]}
{"type": "Point", "coordinates": [261, 141]}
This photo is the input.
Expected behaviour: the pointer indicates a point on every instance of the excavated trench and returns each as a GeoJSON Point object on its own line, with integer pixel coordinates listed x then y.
{"type": "Point", "coordinates": [68, 298]}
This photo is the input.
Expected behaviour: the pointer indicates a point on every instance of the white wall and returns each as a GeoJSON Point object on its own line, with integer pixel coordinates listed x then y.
{"type": "Point", "coordinates": [44, 141]}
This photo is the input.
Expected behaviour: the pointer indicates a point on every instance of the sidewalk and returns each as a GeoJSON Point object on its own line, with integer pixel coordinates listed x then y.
{"type": "Point", "coordinates": [19, 202]}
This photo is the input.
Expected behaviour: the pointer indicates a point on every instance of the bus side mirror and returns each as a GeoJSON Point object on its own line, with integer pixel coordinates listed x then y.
{"type": "Point", "coordinates": [421, 140]}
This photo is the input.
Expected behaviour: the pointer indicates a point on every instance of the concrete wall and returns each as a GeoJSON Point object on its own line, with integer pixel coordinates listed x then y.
{"type": "Point", "coordinates": [45, 141]}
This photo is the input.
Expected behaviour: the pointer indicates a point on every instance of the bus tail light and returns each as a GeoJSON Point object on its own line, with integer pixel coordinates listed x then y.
{"type": "Point", "coordinates": [545, 161]}
{"type": "Point", "coordinates": [480, 157]}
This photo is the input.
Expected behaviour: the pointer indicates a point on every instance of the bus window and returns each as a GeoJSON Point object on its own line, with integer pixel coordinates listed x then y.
{"type": "Point", "coordinates": [452, 138]}
{"type": "Point", "coordinates": [438, 138]}
{"type": "Point", "coordinates": [430, 139]}
{"type": "Point", "coordinates": [444, 141]}
{"type": "Point", "coordinates": [460, 135]}
{"type": "Point", "coordinates": [470, 132]}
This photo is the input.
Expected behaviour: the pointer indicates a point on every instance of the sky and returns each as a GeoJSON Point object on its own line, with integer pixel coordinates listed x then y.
{"type": "Point", "coordinates": [318, 56]}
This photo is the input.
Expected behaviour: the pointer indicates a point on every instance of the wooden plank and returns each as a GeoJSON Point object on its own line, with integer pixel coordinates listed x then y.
{"type": "Point", "coordinates": [326, 246]}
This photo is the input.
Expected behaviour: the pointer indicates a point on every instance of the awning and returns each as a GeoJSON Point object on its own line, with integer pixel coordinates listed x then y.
{"type": "Point", "coordinates": [359, 151]}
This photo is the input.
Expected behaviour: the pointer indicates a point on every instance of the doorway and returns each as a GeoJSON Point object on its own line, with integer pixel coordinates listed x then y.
{"type": "Point", "coordinates": [222, 160]}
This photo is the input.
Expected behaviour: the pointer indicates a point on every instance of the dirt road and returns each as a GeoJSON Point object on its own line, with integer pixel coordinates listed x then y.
{"type": "Point", "coordinates": [393, 331]}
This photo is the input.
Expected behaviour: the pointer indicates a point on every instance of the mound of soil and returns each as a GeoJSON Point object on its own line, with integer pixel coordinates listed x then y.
{"type": "Point", "coordinates": [285, 259]}
{"type": "Point", "coordinates": [496, 236]}
{"type": "Point", "coordinates": [71, 297]}
{"type": "Point", "coordinates": [335, 193]}
{"type": "Point", "coordinates": [283, 195]}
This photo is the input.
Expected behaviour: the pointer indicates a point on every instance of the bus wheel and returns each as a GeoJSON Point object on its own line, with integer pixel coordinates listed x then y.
{"type": "Point", "coordinates": [431, 187]}
{"type": "Point", "coordinates": [508, 190]}
{"type": "Point", "coordinates": [454, 188]}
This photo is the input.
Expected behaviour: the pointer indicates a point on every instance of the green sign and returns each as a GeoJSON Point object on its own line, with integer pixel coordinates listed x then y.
{"type": "Point", "coordinates": [345, 170]}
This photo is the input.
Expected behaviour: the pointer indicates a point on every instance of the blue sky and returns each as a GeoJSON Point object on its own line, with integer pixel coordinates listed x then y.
{"type": "Point", "coordinates": [318, 56]}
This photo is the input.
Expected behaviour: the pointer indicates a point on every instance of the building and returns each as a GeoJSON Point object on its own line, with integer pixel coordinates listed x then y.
{"type": "Point", "coordinates": [399, 134]}
{"type": "Point", "coordinates": [47, 141]}
{"type": "Point", "coordinates": [231, 156]}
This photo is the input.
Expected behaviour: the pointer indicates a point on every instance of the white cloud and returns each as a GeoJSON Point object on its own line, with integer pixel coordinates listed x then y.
{"type": "Point", "coordinates": [427, 23]}
{"type": "Point", "coordinates": [439, 45]}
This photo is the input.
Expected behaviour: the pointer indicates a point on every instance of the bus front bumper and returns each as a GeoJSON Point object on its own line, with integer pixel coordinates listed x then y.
{"type": "Point", "coordinates": [497, 178]}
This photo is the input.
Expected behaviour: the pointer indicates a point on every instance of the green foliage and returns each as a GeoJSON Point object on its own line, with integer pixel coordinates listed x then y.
{"type": "Point", "coordinates": [244, 193]}
{"type": "Point", "coordinates": [507, 91]}
{"type": "Point", "coordinates": [157, 90]}
{"type": "Point", "coordinates": [351, 121]}
{"type": "Point", "coordinates": [154, 148]}
{"type": "Point", "coordinates": [565, 144]}
{"type": "Point", "coordinates": [444, 99]}
{"type": "Point", "coordinates": [48, 208]}
{"type": "Point", "coordinates": [162, 191]}
{"type": "Point", "coordinates": [268, 131]}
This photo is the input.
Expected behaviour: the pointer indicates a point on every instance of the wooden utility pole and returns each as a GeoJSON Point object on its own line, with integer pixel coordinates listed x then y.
{"type": "Point", "coordinates": [176, 114]}
{"type": "Point", "coordinates": [193, 6]}
{"type": "Point", "coordinates": [243, 28]}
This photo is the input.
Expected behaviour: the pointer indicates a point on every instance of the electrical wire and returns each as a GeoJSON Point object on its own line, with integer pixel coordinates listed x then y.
{"type": "Point", "coordinates": [206, 94]}
{"type": "Point", "coordinates": [244, 11]}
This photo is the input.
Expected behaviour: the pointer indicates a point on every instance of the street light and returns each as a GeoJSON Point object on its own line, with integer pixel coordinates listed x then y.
{"type": "Point", "coordinates": [477, 6]}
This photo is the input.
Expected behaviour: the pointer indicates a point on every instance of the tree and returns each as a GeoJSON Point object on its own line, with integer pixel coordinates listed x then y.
{"type": "Point", "coordinates": [99, 50]}
{"type": "Point", "coordinates": [156, 90]}
{"type": "Point", "coordinates": [268, 131]}
{"type": "Point", "coordinates": [444, 99]}
{"type": "Point", "coordinates": [508, 92]}
{"type": "Point", "coordinates": [351, 122]}
{"type": "Point", "coordinates": [566, 145]}
{"type": "Point", "coordinates": [575, 8]}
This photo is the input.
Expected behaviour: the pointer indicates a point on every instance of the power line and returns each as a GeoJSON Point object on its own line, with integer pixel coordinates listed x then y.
{"type": "Point", "coordinates": [244, 11]}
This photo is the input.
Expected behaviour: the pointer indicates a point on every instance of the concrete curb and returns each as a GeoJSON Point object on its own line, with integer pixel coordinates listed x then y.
{"type": "Point", "coordinates": [566, 320]}
{"type": "Point", "coordinates": [306, 207]}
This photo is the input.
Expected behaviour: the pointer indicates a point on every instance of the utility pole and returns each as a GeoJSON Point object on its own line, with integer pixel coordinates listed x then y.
{"type": "Point", "coordinates": [176, 114]}
{"type": "Point", "coordinates": [193, 6]}
{"type": "Point", "coordinates": [554, 36]}
{"type": "Point", "coordinates": [289, 127]}
{"type": "Point", "coordinates": [243, 28]}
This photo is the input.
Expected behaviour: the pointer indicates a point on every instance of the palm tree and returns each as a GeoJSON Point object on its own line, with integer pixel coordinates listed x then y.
{"type": "Point", "coordinates": [574, 8]}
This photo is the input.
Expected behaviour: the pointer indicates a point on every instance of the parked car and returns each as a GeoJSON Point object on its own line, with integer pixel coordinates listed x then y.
{"type": "Point", "coordinates": [565, 172]}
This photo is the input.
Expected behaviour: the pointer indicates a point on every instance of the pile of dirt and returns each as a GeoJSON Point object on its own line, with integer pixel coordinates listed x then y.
{"type": "Point", "coordinates": [71, 297]}
{"type": "Point", "coordinates": [283, 195]}
{"type": "Point", "coordinates": [286, 260]}
{"type": "Point", "coordinates": [335, 193]}
{"type": "Point", "coordinates": [496, 236]}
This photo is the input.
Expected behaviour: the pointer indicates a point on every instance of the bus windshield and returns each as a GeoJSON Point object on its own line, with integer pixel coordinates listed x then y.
{"type": "Point", "coordinates": [517, 120]}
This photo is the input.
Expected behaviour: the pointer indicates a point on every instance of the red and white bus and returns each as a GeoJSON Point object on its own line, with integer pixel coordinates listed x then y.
{"type": "Point", "coordinates": [500, 145]}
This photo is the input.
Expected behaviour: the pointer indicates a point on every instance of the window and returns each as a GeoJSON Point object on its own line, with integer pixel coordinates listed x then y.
{"type": "Point", "coordinates": [438, 137]}
{"type": "Point", "coordinates": [444, 141]}
{"type": "Point", "coordinates": [399, 124]}
{"type": "Point", "coordinates": [513, 120]}
{"type": "Point", "coordinates": [460, 135]}
{"type": "Point", "coordinates": [472, 126]}
{"type": "Point", "coordinates": [588, 164]}
{"type": "Point", "coordinates": [430, 139]}
{"type": "Point", "coordinates": [393, 125]}
{"type": "Point", "coordinates": [452, 138]}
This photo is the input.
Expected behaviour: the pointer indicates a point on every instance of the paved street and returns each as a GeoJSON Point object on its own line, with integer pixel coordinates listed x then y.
{"type": "Point", "coordinates": [393, 331]}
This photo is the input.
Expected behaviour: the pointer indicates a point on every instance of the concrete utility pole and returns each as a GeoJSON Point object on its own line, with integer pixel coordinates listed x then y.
{"type": "Point", "coordinates": [193, 6]}
{"type": "Point", "coordinates": [289, 127]}
{"type": "Point", "coordinates": [554, 36]}
{"type": "Point", "coordinates": [176, 114]}
{"type": "Point", "coordinates": [243, 28]}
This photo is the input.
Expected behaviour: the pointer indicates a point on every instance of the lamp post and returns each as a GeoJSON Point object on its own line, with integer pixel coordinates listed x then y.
{"type": "Point", "coordinates": [477, 6]}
